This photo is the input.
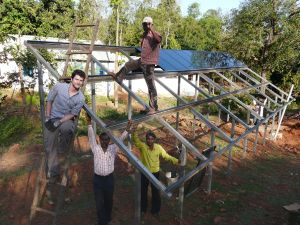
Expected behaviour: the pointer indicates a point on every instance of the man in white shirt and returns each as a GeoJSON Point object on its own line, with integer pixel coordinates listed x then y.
{"type": "Point", "coordinates": [104, 159]}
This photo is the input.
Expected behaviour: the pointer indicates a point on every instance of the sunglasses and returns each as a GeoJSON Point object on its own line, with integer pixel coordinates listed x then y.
{"type": "Point", "coordinates": [146, 23]}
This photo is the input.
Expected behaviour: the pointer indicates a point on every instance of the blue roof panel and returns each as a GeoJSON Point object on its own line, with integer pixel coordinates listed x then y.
{"type": "Point", "coordinates": [190, 60]}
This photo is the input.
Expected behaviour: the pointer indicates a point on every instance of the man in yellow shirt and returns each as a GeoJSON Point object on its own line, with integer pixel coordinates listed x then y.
{"type": "Point", "coordinates": [150, 153]}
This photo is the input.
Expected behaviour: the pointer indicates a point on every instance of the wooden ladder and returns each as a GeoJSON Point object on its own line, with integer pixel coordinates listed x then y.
{"type": "Point", "coordinates": [40, 192]}
{"type": "Point", "coordinates": [71, 51]}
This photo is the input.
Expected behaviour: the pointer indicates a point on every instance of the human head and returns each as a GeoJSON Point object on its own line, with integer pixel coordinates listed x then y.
{"type": "Point", "coordinates": [79, 73]}
{"type": "Point", "coordinates": [150, 138]}
{"type": "Point", "coordinates": [77, 79]}
{"type": "Point", "coordinates": [147, 23]}
{"type": "Point", "coordinates": [104, 140]}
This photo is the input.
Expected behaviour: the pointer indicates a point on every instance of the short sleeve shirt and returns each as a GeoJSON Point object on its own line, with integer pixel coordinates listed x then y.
{"type": "Point", "coordinates": [62, 103]}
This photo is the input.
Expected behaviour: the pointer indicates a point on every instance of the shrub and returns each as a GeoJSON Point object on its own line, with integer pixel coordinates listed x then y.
{"type": "Point", "coordinates": [12, 128]}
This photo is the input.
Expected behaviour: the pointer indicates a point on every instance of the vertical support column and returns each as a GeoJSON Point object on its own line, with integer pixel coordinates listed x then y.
{"type": "Point", "coordinates": [228, 117]}
{"type": "Point", "coordinates": [245, 139]}
{"type": "Point", "coordinates": [137, 173]}
{"type": "Point", "coordinates": [93, 93]}
{"type": "Point", "coordinates": [213, 87]}
{"type": "Point", "coordinates": [195, 99]}
{"type": "Point", "coordinates": [42, 95]}
{"type": "Point", "coordinates": [265, 132]}
{"type": "Point", "coordinates": [219, 115]}
{"type": "Point", "coordinates": [210, 164]}
{"type": "Point", "coordinates": [230, 150]}
{"type": "Point", "coordinates": [282, 113]}
{"type": "Point", "coordinates": [273, 121]}
{"type": "Point", "coordinates": [178, 102]}
{"type": "Point", "coordinates": [116, 85]}
{"type": "Point", "coordinates": [255, 141]}
{"type": "Point", "coordinates": [181, 189]}
{"type": "Point", "coordinates": [245, 146]}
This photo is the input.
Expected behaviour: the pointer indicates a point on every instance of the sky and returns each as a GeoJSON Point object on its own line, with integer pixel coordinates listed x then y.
{"type": "Point", "coordinates": [224, 5]}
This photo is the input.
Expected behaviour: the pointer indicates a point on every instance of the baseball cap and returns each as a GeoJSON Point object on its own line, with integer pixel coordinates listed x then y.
{"type": "Point", "coordinates": [148, 19]}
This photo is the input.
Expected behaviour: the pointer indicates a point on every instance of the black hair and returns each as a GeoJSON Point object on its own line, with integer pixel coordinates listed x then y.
{"type": "Point", "coordinates": [150, 133]}
{"type": "Point", "coordinates": [79, 73]}
{"type": "Point", "coordinates": [102, 135]}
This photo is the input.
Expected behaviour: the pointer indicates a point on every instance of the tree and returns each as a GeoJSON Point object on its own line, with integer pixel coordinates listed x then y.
{"type": "Point", "coordinates": [211, 25]}
{"type": "Point", "coordinates": [168, 16]}
{"type": "Point", "coordinates": [201, 34]}
{"type": "Point", "coordinates": [55, 18]}
{"type": "Point", "coordinates": [18, 17]}
{"type": "Point", "coordinates": [264, 34]}
{"type": "Point", "coordinates": [194, 10]}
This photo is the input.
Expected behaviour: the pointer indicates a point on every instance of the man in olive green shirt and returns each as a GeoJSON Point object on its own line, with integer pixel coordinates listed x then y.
{"type": "Point", "coordinates": [150, 153]}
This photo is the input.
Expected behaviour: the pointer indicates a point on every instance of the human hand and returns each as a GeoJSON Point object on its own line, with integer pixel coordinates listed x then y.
{"type": "Point", "coordinates": [88, 118]}
{"type": "Point", "coordinates": [131, 127]}
{"type": "Point", "coordinates": [47, 118]}
{"type": "Point", "coordinates": [57, 123]}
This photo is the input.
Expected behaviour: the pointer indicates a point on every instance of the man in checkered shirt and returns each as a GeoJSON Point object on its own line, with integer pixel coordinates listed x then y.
{"type": "Point", "coordinates": [104, 159]}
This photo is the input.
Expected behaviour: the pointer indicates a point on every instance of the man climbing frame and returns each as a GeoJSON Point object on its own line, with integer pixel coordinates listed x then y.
{"type": "Point", "coordinates": [64, 103]}
{"type": "Point", "coordinates": [150, 44]}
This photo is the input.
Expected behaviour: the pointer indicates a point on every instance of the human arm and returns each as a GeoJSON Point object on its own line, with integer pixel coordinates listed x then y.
{"type": "Point", "coordinates": [137, 142]}
{"type": "Point", "coordinates": [168, 157]}
{"type": "Point", "coordinates": [48, 110]}
{"type": "Point", "coordinates": [155, 34]}
{"type": "Point", "coordinates": [92, 137]}
{"type": "Point", "coordinates": [50, 98]}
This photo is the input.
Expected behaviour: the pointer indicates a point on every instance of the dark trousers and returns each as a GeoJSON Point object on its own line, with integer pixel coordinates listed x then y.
{"type": "Point", "coordinates": [104, 189]}
{"type": "Point", "coordinates": [148, 71]}
{"type": "Point", "coordinates": [155, 202]}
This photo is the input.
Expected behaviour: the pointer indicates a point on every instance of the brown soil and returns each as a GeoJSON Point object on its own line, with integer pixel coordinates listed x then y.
{"type": "Point", "coordinates": [247, 195]}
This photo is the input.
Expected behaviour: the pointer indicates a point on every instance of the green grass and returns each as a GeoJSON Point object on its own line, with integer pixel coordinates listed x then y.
{"type": "Point", "coordinates": [6, 176]}
{"type": "Point", "coordinates": [13, 128]}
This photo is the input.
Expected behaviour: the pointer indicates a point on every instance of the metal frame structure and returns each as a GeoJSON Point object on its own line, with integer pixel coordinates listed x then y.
{"type": "Point", "coordinates": [241, 81]}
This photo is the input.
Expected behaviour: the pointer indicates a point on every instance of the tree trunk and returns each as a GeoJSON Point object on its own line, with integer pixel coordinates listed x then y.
{"type": "Point", "coordinates": [23, 94]}
{"type": "Point", "coordinates": [116, 86]}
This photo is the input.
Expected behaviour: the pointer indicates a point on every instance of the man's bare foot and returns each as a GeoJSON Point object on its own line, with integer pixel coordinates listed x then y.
{"type": "Point", "coordinates": [116, 77]}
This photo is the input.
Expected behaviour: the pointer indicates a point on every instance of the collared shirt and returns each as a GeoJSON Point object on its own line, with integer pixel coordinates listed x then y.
{"type": "Point", "coordinates": [103, 161]}
{"type": "Point", "coordinates": [150, 158]}
{"type": "Point", "coordinates": [62, 103]}
{"type": "Point", "coordinates": [150, 49]}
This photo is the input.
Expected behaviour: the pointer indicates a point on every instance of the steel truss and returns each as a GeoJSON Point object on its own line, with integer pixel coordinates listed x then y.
{"type": "Point", "coordinates": [240, 81]}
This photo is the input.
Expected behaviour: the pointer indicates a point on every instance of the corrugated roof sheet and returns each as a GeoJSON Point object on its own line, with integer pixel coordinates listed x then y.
{"type": "Point", "coordinates": [189, 60]}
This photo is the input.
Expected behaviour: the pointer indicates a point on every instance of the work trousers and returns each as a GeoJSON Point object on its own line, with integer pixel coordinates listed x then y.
{"type": "Point", "coordinates": [156, 201]}
{"type": "Point", "coordinates": [104, 190]}
{"type": "Point", "coordinates": [148, 71]}
{"type": "Point", "coordinates": [57, 142]}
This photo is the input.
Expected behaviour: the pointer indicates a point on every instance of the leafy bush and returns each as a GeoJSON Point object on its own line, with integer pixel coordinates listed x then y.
{"type": "Point", "coordinates": [111, 114]}
{"type": "Point", "coordinates": [34, 100]}
{"type": "Point", "coordinates": [13, 127]}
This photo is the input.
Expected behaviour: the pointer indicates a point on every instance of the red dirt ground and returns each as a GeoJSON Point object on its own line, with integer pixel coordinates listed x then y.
{"type": "Point", "coordinates": [17, 192]}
